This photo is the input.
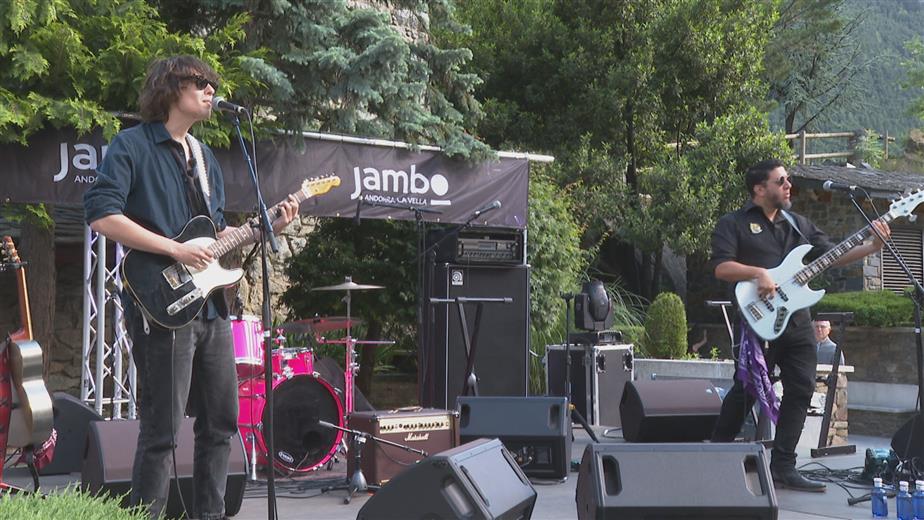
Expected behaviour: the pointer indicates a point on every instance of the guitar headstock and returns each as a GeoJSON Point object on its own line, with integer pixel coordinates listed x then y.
{"type": "Point", "coordinates": [904, 206]}
{"type": "Point", "coordinates": [10, 255]}
{"type": "Point", "coordinates": [319, 185]}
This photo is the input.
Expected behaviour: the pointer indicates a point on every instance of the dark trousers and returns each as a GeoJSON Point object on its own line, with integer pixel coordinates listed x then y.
{"type": "Point", "coordinates": [194, 365]}
{"type": "Point", "coordinates": [794, 353]}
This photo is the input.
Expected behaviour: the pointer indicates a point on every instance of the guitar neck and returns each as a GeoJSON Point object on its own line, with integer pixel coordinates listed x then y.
{"type": "Point", "coordinates": [820, 264]}
{"type": "Point", "coordinates": [25, 316]}
{"type": "Point", "coordinates": [243, 234]}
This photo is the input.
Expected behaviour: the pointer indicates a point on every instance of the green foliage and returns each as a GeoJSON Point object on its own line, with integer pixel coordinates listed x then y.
{"type": "Point", "coordinates": [71, 503]}
{"type": "Point", "coordinates": [379, 253]}
{"type": "Point", "coordinates": [335, 67]}
{"type": "Point", "coordinates": [553, 251]}
{"type": "Point", "coordinates": [914, 67]}
{"type": "Point", "coordinates": [870, 308]}
{"type": "Point", "coordinates": [666, 327]}
{"type": "Point", "coordinates": [76, 63]}
{"type": "Point", "coordinates": [632, 334]}
{"type": "Point", "coordinates": [685, 195]}
{"type": "Point", "coordinates": [869, 148]}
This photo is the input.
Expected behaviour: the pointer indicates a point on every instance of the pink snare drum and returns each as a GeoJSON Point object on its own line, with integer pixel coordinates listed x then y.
{"type": "Point", "coordinates": [290, 361]}
{"type": "Point", "coordinates": [301, 443]}
{"type": "Point", "coordinates": [247, 332]}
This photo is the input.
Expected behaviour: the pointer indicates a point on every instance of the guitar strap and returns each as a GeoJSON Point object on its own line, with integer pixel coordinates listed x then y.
{"type": "Point", "coordinates": [792, 222]}
{"type": "Point", "coordinates": [201, 168]}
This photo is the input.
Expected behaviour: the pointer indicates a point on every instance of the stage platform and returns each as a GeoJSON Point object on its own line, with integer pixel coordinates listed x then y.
{"type": "Point", "coordinates": [300, 498]}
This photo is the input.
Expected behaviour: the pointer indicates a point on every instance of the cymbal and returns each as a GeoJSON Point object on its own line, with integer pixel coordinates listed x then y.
{"type": "Point", "coordinates": [347, 285]}
{"type": "Point", "coordinates": [319, 324]}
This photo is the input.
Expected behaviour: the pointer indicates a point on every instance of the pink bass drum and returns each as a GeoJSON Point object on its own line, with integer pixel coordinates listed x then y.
{"type": "Point", "coordinates": [247, 333]}
{"type": "Point", "coordinates": [300, 443]}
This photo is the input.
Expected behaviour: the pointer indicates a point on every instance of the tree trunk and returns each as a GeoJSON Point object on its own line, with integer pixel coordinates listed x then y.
{"type": "Point", "coordinates": [656, 270]}
{"type": "Point", "coordinates": [37, 249]}
{"type": "Point", "coordinates": [367, 360]}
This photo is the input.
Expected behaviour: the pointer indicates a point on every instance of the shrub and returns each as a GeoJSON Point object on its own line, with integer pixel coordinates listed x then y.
{"type": "Point", "coordinates": [870, 308]}
{"type": "Point", "coordinates": [666, 327]}
{"type": "Point", "coordinates": [71, 503]}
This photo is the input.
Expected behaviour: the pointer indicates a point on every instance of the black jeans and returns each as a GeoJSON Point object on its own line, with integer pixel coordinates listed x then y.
{"type": "Point", "coordinates": [205, 378]}
{"type": "Point", "coordinates": [795, 354]}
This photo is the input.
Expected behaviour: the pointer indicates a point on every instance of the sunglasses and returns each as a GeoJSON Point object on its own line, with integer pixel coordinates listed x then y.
{"type": "Point", "coordinates": [781, 181]}
{"type": "Point", "coordinates": [200, 82]}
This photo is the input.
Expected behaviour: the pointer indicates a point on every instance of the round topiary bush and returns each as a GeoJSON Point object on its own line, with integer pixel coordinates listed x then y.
{"type": "Point", "coordinates": [666, 327]}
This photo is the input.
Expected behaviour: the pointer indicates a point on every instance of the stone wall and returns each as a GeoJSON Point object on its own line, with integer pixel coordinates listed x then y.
{"type": "Point", "coordinates": [837, 429]}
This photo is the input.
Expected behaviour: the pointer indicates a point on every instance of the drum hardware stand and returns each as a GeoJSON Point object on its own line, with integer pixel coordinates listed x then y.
{"type": "Point", "coordinates": [470, 381]}
{"type": "Point", "coordinates": [357, 482]}
{"type": "Point", "coordinates": [567, 296]}
{"type": "Point", "coordinates": [842, 319]}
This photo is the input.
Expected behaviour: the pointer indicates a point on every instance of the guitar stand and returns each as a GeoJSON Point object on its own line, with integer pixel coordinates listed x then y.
{"type": "Point", "coordinates": [356, 483]}
{"type": "Point", "coordinates": [470, 381]}
{"type": "Point", "coordinates": [842, 319]}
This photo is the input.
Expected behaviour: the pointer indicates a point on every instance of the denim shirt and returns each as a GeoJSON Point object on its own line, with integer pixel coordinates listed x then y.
{"type": "Point", "coordinates": [140, 178]}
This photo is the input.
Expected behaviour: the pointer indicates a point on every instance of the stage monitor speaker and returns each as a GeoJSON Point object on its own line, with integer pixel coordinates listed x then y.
{"type": "Point", "coordinates": [476, 481]}
{"type": "Point", "coordinates": [501, 358]}
{"type": "Point", "coordinates": [110, 454]}
{"type": "Point", "coordinates": [675, 481]}
{"type": "Point", "coordinates": [72, 421]}
{"type": "Point", "coordinates": [680, 410]}
{"type": "Point", "coordinates": [536, 430]}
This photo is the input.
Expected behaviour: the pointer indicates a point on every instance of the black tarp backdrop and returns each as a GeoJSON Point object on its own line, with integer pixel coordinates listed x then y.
{"type": "Point", "coordinates": [57, 167]}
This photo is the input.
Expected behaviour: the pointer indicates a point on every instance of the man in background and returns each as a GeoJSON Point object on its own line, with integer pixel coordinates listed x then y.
{"type": "Point", "coordinates": [825, 347]}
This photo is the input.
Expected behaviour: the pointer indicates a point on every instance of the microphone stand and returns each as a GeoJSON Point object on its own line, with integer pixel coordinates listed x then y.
{"type": "Point", "coordinates": [357, 482]}
{"type": "Point", "coordinates": [266, 228]}
{"type": "Point", "coordinates": [902, 440]}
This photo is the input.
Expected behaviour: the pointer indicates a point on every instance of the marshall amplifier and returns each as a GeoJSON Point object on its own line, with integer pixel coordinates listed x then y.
{"type": "Point", "coordinates": [426, 429]}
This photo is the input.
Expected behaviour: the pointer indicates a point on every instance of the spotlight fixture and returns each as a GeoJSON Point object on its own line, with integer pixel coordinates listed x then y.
{"type": "Point", "coordinates": [592, 307]}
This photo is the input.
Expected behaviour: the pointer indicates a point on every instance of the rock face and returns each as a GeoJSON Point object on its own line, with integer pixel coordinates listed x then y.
{"type": "Point", "coordinates": [915, 142]}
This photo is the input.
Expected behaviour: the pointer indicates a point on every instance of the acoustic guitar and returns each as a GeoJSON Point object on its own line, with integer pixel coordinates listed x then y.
{"type": "Point", "coordinates": [32, 416]}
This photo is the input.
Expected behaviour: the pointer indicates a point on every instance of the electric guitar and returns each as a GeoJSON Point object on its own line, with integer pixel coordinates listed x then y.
{"type": "Point", "coordinates": [32, 415]}
{"type": "Point", "coordinates": [171, 293]}
{"type": "Point", "coordinates": [768, 317]}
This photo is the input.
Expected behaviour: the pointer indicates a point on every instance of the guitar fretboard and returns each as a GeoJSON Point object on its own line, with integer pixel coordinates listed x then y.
{"type": "Point", "coordinates": [244, 234]}
{"type": "Point", "coordinates": [816, 267]}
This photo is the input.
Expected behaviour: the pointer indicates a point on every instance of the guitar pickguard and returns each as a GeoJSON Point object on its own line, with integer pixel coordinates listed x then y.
{"type": "Point", "coordinates": [176, 275]}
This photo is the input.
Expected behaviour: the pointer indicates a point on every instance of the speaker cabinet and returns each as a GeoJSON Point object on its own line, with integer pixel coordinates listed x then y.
{"type": "Point", "coordinates": [682, 410]}
{"type": "Point", "coordinates": [501, 356]}
{"type": "Point", "coordinates": [110, 454]}
{"type": "Point", "coordinates": [72, 421]}
{"type": "Point", "coordinates": [536, 430]}
{"type": "Point", "coordinates": [476, 481]}
{"type": "Point", "coordinates": [664, 481]}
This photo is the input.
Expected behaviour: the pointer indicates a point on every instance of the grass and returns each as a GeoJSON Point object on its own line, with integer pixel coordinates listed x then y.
{"type": "Point", "coordinates": [68, 504]}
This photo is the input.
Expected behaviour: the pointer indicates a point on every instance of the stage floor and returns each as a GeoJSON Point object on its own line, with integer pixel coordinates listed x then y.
{"type": "Point", "coordinates": [300, 498]}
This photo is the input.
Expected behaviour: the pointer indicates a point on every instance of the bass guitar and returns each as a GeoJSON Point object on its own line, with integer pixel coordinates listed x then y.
{"type": "Point", "coordinates": [171, 293]}
{"type": "Point", "coordinates": [32, 415]}
{"type": "Point", "coordinates": [768, 317]}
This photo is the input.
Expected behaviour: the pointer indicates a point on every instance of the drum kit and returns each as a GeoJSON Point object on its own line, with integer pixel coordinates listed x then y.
{"type": "Point", "coordinates": [302, 400]}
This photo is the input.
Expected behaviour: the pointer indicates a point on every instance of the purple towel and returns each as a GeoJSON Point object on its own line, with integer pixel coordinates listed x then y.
{"type": "Point", "coordinates": [753, 372]}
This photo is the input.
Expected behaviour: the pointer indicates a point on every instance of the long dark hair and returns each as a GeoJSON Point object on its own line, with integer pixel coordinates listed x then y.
{"type": "Point", "coordinates": [163, 82]}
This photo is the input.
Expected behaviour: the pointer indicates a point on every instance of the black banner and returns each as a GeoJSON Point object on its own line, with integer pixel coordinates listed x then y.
{"type": "Point", "coordinates": [57, 167]}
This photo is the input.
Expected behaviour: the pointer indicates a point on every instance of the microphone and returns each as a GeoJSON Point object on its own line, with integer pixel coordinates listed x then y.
{"type": "Point", "coordinates": [219, 103]}
{"type": "Point", "coordinates": [359, 204]}
{"type": "Point", "coordinates": [837, 186]}
{"type": "Point", "coordinates": [492, 206]}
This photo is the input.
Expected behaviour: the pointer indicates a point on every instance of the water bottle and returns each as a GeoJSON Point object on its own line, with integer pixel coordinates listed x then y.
{"type": "Point", "coordinates": [878, 499]}
{"type": "Point", "coordinates": [903, 504]}
{"type": "Point", "coordinates": [917, 500]}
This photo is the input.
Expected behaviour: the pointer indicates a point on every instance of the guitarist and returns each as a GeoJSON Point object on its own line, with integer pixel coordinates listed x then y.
{"type": "Point", "coordinates": [745, 244]}
{"type": "Point", "coordinates": [154, 178]}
